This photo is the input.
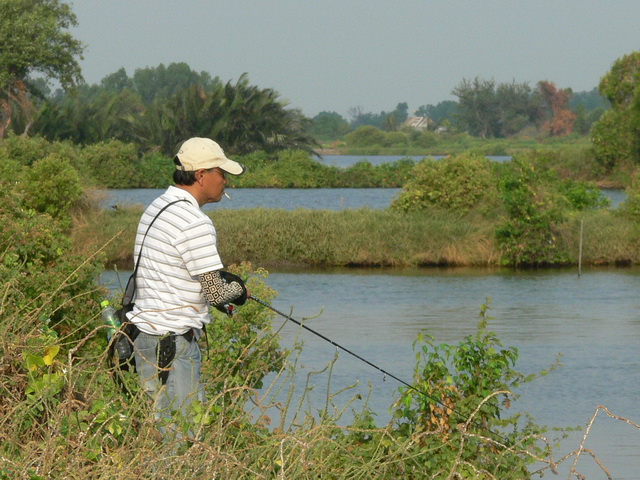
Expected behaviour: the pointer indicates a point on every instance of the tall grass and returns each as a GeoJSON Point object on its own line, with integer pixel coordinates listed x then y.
{"type": "Point", "coordinates": [369, 238]}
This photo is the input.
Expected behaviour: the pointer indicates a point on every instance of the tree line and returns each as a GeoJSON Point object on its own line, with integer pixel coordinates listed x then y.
{"type": "Point", "coordinates": [485, 109]}
{"type": "Point", "coordinates": [157, 107]}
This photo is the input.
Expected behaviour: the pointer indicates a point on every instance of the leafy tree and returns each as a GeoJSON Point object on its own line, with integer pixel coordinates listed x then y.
{"type": "Point", "coordinates": [117, 81]}
{"type": "Point", "coordinates": [591, 100]}
{"type": "Point", "coordinates": [398, 116]}
{"type": "Point", "coordinates": [488, 110]}
{"type": "Point", "coordinates": [445, 110]}
{"type": "Point", "coordinates": [329, 126]}
{"type": "Point", "coordinates": [242, 117]}
{"type": "Point", "coordinates": [34, 40]}
{"type": "Point", "coordinates": [616, 136]}
{"type": "Point", "coordinates": [389, 121]}
{"type": "Point", "coordinates": [516, 107]}
{"type": "Point", "coordinates": [360, 118]}
{"type": "Point", "coordinates": [557, 118]}
{"type": "Point", "coordinates": [165, 82]}
{"type": "Point", "coordinates": [91, 116]}
{"type": "Point", "coordinates": [478, 108]}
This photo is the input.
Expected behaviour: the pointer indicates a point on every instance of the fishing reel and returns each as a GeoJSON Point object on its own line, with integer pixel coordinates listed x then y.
{"type": "Point", "coordinates": [227, 309]}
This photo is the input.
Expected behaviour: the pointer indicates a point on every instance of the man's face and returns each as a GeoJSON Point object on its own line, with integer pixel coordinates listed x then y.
{"type": "Point", "coordinates": [213, 183]}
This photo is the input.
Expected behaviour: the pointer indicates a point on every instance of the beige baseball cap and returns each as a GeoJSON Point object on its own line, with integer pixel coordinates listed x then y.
{"type": "Point", "coordinates": [197, 153]}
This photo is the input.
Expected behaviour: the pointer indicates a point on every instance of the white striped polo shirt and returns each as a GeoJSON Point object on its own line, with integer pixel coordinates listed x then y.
{"type": "Point", "coordinates": [180, 245]}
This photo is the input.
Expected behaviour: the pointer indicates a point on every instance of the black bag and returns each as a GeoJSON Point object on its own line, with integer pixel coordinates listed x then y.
{"type": "Point", "coordinates": [121, 350]}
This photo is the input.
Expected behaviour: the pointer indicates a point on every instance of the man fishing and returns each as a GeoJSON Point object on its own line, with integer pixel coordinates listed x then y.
{"type": "Point", "coordinates": [179, 276]}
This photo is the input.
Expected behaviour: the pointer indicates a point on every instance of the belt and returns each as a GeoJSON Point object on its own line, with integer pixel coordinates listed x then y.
{"type": "Point", "coordinates": [189, 335]}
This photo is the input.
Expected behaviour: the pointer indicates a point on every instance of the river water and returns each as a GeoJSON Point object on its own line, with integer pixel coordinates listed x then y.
{"type": "Point", "coordinates": [592, 320]}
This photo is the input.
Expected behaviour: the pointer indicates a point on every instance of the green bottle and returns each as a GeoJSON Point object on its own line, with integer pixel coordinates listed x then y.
{"type": "Point", "coordinates": [109, 318]}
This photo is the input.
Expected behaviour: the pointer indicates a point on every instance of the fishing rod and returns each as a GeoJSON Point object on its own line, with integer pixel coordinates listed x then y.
{"type": "Point", "coordinates": [383, 371]}
{"type": "Point", "coordinates": [337, 345]}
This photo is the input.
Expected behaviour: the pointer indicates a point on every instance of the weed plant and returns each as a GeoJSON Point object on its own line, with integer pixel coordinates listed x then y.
{"type": "Point", "coordinates": [63, 416]}
{"type": "Point", "coordinates": [361, 237]}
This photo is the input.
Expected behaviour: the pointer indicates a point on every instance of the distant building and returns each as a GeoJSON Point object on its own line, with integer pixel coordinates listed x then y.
{"type": "Point", "coordinates": [418, 123]}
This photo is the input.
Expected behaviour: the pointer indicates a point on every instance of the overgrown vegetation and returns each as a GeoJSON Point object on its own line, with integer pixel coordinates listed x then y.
{"type": "Point", "coordinates": [62, 411]}
{"type": "Point", "coordinates": [114, 164]}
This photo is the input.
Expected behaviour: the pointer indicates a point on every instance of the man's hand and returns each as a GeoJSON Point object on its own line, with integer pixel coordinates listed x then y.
{"type": "Point", "coordinates": [230, 278]}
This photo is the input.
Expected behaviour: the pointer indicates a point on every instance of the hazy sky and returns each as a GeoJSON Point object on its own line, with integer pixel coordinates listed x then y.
{"type": "Point", "coordinates": [327, 55]}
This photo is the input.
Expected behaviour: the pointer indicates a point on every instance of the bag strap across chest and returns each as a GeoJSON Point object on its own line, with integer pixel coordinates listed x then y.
{"type": "Point", "coordinates": [130, 290]}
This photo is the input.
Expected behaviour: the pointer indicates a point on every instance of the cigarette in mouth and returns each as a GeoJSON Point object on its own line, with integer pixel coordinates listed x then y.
{"type": "Point", "coordinates": [227, 195]}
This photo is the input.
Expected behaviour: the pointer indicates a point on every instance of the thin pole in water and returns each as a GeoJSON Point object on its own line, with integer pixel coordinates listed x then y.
{"type": "Point", "coordinates": [580, 248]}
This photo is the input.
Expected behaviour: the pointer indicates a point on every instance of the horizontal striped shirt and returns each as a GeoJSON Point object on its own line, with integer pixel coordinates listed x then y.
{"type": "Point", "coordinates": [180, 245]}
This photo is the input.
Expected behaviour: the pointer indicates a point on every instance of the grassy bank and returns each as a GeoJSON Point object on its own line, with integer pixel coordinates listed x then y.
{"type": "Point", "coordinates": [430, 143]}
{"type": "Point", "coordinates": [371, 238]}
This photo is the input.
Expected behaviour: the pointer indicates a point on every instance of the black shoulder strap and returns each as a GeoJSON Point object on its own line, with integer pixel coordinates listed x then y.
{"type": "Point", "coordinates": [130, 290]}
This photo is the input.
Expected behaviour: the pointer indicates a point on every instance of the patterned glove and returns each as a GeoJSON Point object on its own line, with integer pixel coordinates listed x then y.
{"type": "Point", "coordinates": [230, 277]}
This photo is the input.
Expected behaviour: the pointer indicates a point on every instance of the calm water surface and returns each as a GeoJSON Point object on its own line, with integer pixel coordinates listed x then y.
{"type": "Point", "coordinates": [291, 198]}
{"type": "Point", "coordinates": [282, 198]}
{"type": "Point", "coordinates": [592, 320]}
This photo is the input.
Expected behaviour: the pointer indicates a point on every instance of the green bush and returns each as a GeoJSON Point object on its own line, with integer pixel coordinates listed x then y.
{"type": "Point", "coordinates": [365, 136]}
{"type": "Point", "coordinates": [52, 186]}
{"type": "Point", "coordinates": [428, 139]}
{"type": "Point", "coordinates": [40, 270]}
{"type": "Point", "coordinates": [113, 164]}
{"type": "Point", "coordinates": [614, 139]}
{"type": "Point", "coordinates": [631, 205]}
{"type": "Point", "coordinates": [535, 208]}
{"type": "Point", "coordinates": [292, 169]}
{"type": "Point", "coordinates": [361, 175]}
{"type": "Point", "coordinates": [28, 150]}
{"type": "Point", "coordinates": [582, 195]}
{"type": "Point", "coordinates": [24, 150]}
{"type": "Point", "coordinates": [243, 350]}
{"type": "Point", "coordinates": [459, 184]}
{"type": "Point", "coordinates": [394, 139]}
{"type": "Point", "coordinates": [456, 408]}
{"type": "Point", "coordinates": [155, 171]}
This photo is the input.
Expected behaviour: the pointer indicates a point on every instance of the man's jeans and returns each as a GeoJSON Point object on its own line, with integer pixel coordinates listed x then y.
{"type": "Point", "coordinates": [183, 384]}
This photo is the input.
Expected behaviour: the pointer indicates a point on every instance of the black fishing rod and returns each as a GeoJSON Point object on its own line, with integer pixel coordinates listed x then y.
{"type": "Point", "coordinates": [337, 345]}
